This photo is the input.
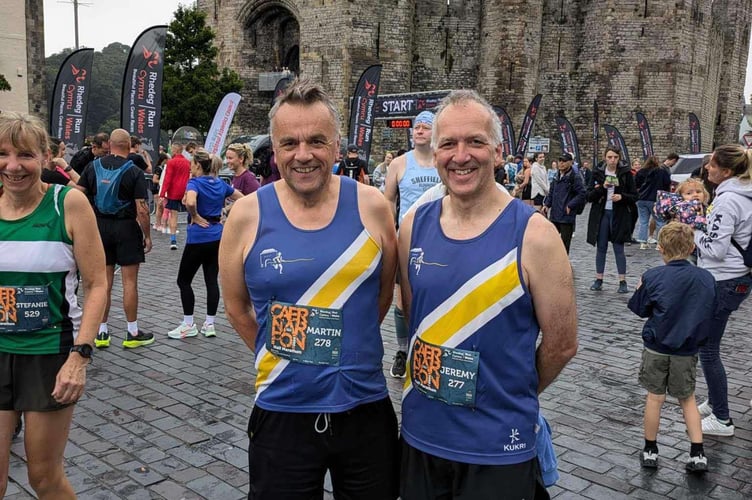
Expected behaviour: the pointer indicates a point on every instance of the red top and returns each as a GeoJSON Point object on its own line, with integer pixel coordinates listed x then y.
{"type": "Point", "coordinates": [176, 178]}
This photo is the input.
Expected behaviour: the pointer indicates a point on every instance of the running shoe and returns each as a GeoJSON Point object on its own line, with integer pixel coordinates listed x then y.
{"type": "Point", "coordinates": [652, 241]}
{"type": "Point", "coordinates": [173, 245]}
{"type": "Point", "coordinates": [399, 365]}
{"type": "Point", "coordinates": [142, 339]}
{"type": "Point", "coordinates": [704, 408]}
{"type": "Point", "coordinates": [644, 246]}
{"type": "Point", "coordinates": [623, 287]}
{"type": "Point", "coordinates": [208, 330]}
{"type": "Point", "coordinates": [183, 331]}
{"type": "Point", "coordinates": [649, 459]}
{"type": "Point", "coordinates": [597, 285]}
{"type": "Point", "coordinates": [697, 463]}
{"type": "Point", "coordinates": [102, 340]}
{"type": "Point", "coordinates": [711, 426]}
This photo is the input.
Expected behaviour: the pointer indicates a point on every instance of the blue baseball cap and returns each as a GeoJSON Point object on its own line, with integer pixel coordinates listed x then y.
{"type": "Point", "coordinates": [424, 117]}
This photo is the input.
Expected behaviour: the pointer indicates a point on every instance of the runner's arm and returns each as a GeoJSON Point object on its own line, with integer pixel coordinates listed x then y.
{"type": "Point", "coordinates": [81, 226]}
{"type": "Point", "coordinates": [376, 218]}
{"type": "Point", "coordinates": [391, 184]}
{"type": "Point", "coordinates": [233, 248]}
{"type": "Point", "coordinates": [548, 274]}
{"type": "Point", "coordinates": [405, 235]}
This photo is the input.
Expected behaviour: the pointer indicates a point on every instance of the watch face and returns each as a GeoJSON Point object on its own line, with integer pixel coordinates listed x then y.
{"type": "Point", "coordinates": [84, 350]}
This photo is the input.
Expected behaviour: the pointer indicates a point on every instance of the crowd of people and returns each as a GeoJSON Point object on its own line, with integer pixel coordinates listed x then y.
{"type": "Point", "coordinates": [310, 266]}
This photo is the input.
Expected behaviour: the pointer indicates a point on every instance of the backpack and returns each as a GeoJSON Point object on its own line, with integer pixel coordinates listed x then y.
{"type": "Point", "coordinates": [746, 252]}
{"type": "Point", "coordinates": [108, 186]}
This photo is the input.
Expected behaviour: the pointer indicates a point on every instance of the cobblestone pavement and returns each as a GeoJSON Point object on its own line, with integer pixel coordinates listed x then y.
{"type": "Point", "coordinates": [169, 420]}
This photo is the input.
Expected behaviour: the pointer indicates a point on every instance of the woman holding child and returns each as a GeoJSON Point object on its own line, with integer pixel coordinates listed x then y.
{"type": "Point", "coordinates": [720, 247]}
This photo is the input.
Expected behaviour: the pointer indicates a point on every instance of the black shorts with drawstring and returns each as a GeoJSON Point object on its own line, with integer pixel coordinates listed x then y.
{"type": "Point", "coordinates": [289, 453]}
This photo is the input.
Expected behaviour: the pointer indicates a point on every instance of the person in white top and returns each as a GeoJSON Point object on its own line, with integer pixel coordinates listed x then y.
{"type": "Point", "coordinates": [539, 181]}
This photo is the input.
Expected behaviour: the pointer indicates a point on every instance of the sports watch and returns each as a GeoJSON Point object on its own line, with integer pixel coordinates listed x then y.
{"type": "Point", "coordinates": [84, 350]}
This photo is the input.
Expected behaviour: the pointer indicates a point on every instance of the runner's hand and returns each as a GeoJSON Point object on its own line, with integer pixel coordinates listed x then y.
{"type": "Point", "coordinates": [70, 380]}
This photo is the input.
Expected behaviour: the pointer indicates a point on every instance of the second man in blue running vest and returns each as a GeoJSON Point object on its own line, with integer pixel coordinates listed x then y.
{"type": "Point", "coordinates": [482, 275]}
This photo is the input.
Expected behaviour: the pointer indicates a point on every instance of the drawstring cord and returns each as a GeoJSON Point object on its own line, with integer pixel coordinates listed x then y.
{"type": "Point", "coordinates": [327, 423]}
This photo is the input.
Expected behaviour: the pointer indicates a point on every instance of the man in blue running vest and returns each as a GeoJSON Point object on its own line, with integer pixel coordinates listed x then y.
{"type": "Point", "coordinates": [482, 276]}
{"type": "Point", "coordinates": [303, 261]}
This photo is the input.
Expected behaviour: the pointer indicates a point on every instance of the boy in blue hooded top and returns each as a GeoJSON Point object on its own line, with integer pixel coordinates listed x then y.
{"type": "Point", "coordinates": [678, 299]}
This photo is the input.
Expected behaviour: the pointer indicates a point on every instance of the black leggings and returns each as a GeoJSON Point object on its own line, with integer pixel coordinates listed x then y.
{"type": "Point", "coordinates": [206, 256]}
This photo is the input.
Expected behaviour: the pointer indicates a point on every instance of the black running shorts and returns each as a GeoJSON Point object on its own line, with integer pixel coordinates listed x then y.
{"type": "Point", "coordinates": [27, 381]}
{"type": "Point", "coordinates": [430, 477]}
{"type": "Point", "coordinates": [289, 453]}
{"type": "Point", "coordinates": [123, 241]}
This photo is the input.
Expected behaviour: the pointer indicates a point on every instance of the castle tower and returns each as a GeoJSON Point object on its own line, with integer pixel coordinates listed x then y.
{"type": "Point", "coordinates": [665, 58]}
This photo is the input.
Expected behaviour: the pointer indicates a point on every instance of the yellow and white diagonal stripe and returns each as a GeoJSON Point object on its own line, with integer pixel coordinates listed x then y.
{"type": "Point", "coordinates": [474, 304]}
{"type": "Point", "coordinates": [332, 290]}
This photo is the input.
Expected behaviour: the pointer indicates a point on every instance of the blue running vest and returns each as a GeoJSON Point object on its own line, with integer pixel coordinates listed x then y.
{"type": "Point", "coordinates": [416, 181]}
{"type": "Point", "coordinates": [469, 295]}
{"type": "Point", "coordinates": [335, 267]}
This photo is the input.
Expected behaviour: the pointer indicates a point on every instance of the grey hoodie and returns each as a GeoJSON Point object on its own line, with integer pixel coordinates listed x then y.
{"type": "Point", "coordinates": [729, 215]}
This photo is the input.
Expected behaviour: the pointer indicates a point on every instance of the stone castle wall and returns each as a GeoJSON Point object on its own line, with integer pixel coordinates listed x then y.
{"type": "Point", "coordinates": [665, 58]}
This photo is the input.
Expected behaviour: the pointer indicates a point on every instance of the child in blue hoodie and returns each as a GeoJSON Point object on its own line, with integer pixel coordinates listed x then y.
{"type": "Point", "coordinates": [678, 299]}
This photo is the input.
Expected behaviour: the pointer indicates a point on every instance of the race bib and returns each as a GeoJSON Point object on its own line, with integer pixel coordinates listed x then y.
{"type": "Point", "coordinates": [443, 373]}
{"type": "Point", "coordinates": [309, 335]}
{"type": "Point", "coordinates": [24, 308]}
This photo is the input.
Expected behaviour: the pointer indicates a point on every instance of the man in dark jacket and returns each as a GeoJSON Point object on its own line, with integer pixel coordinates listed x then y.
{"type": "Point", "coordinates": [353, 166]}
{"type": "Point", "coordinates": [565, 197]}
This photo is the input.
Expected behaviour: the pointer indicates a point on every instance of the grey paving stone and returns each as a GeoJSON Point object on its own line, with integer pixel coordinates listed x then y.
{"type": "Point", "coordinates": [213, 487]}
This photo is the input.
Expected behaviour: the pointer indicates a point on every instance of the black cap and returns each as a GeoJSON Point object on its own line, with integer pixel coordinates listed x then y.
{"type": "Point", "coordinates": [565, 157]}
{"type": "Point", "coordinates": [352, 148]}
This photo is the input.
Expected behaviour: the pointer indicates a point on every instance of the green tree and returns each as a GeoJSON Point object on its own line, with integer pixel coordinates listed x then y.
{"type": "Point", "coordinates": [193, 85]}
{"type": "Point", "coordinates": [4, 85]}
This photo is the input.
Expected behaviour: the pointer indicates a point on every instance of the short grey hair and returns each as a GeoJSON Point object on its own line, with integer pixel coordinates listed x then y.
{"type": "Point", "coordinates": [304, 91]}
{"type": "Point", "coordinates": [463, 96]}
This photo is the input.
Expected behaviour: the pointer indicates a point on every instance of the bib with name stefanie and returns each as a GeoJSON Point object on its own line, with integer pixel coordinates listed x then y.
{"type": "Point", "coordinates": [443, 373]}
{"type": "Point", "coordinates": [304, 334]}
{"type": "Point", "coordinates": [24, 308]}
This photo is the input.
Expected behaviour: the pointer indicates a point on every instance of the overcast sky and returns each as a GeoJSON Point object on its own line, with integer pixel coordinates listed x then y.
{"type": "Point", "coordinates": [101, 22]}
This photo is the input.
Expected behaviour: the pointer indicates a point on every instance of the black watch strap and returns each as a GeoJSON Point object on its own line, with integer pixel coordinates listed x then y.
{"type": "Point", "coordinates": [85, 350]}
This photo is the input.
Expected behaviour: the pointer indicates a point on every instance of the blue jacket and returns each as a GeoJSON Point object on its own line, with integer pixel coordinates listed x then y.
{"type": "Point", "coordinates": [678, 299]}
{"type": "Point", "coordinates": [565, 191]}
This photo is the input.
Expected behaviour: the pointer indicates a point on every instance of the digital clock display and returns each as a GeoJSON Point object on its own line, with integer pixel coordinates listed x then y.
{"type": "Point", "coordinates": [404, 123]}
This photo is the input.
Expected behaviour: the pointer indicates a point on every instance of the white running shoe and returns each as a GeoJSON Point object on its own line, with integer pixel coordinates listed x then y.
{"type": "Point", "coordinates": [704, 408]}
{"type": "Point", "coordinates": [208, 330]}
{"type": "Point", "coordinates": [183, 331]}
{"type": "Point", "coordinates": [652, 241]}
{"type": "Point", "coordinates": [711, 426]}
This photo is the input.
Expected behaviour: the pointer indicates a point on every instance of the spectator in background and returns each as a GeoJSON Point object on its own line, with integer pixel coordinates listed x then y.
{"type": "Point", "coordinates": [239, 157]}
{"type": "Point", "coordinates": [138, 156]}
{"type": "Point", "coordinates": [649, 180]}
{"type": "Point", "coordinates": [379, 173]}
{"type": "Point", "coordinates": [566, 196]}
{"type": "Point", "coordinates": [173, 188]}
{"type": "Point", "coordinates": [353, 166]}
{"type": "Point", "coordinates": [587, 173]}
{"type": "Point", "coordinates": [100, 146]}
{"type": "Point", "coordinates": [156, 184]}
{"type": "Point", "coordinates": [670, 161]}
{"type": "Point", "coordinates": [612, 197]}
{"type": "Point", "coordinates": [729, 230]}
